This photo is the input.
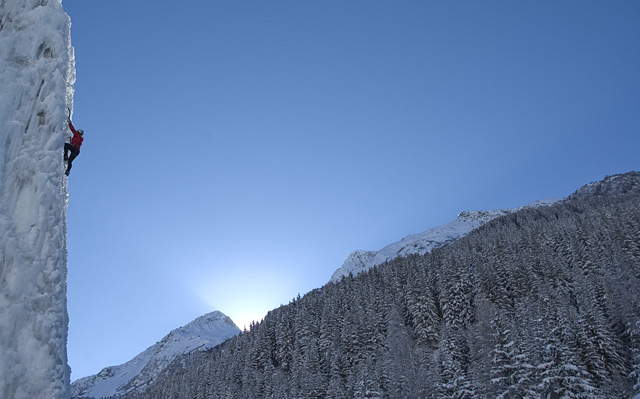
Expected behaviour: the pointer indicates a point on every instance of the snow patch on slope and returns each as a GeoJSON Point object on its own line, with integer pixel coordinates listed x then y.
{"type": "Point", "coordinates": [204, 332]}
{"type": "Point", "coordinates": [36, 87]}
{"type": "Point", "coordinates": [422, 243]}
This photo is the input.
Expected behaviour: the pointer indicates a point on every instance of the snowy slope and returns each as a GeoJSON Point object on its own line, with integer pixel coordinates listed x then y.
{"type": "Point", "coordinates": [421, 243]}
{"type": "Point", "coordinates": [36, 86]}
{"type": "Point", "coordinates": [204, 332]}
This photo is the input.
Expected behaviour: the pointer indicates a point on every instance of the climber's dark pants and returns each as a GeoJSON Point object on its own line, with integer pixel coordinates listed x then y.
{"type": "Point", "coordinates": [74, 153]}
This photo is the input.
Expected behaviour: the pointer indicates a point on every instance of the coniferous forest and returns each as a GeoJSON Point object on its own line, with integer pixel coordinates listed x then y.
{"type": "Point", "coordinates": [541, 301]}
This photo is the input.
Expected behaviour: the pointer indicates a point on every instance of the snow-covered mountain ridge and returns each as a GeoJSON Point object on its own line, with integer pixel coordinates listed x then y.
{"type": "Point", "coordinates": [421, 243]}
{"type": "Point", "coordinates": [204, 332]}
{"type": "Point", "coordinates": [619, 184]}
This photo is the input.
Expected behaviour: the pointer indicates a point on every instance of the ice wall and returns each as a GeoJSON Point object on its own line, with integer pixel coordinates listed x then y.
{"type": "Point", "coordinates": [36, 86]}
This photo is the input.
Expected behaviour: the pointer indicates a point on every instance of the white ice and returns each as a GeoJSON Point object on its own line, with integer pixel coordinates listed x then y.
{"type": "Point", "coordinates": [36, 87]}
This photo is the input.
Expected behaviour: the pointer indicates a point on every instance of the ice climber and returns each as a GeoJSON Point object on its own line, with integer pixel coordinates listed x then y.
{"type": "Point", "coordinates": [71, 151]}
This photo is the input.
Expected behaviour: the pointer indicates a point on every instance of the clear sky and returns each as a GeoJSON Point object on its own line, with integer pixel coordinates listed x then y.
{"type": "Point", "coordinates": [236, 152]}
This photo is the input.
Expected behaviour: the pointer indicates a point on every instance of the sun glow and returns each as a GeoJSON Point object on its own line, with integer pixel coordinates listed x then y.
{"type": "Point", "coordinates": [245, 297]}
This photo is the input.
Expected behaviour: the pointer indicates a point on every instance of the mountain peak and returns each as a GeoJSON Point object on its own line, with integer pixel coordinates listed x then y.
{"type": "Point", "coordinates": [206, 323]}
{"type": "Point", "coordinates": [202, 333]}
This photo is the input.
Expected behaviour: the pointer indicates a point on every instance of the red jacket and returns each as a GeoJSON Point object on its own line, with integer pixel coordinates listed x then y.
{"type": "Point", "coordinates": [77, 138]}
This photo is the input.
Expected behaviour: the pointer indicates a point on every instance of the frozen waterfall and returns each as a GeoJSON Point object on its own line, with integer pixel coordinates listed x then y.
{"type": "Point", "coordinates": [36, 87]}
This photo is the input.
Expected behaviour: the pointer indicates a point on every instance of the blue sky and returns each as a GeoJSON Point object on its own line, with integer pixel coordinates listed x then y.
{"type": "Point", "coordinates": [237, 151]}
